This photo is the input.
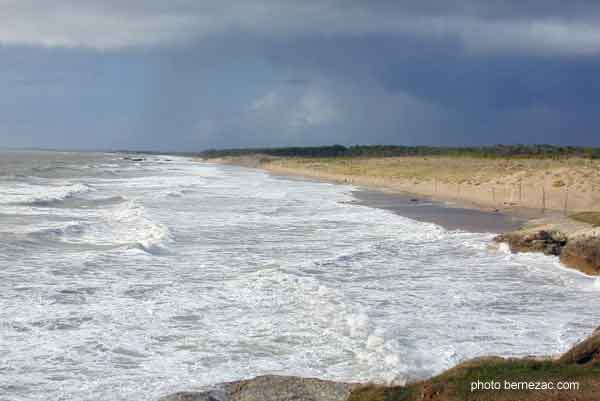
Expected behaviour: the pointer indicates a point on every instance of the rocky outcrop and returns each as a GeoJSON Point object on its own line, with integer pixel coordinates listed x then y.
{"type": "Point", "coordinates": [578, 245]}
{"type": "Point", "coordinates": [196, 396]}
{"type": "Point", "coordinates": [547, 242]}
{"type": "Point", "coordinates": [582, 253]}
{"type": "Point", "coordinates": [289, 389]}
{"type": "Point", "coordinates": [272, 388]}
{"type": "Point", "coordinates": [585, 352]}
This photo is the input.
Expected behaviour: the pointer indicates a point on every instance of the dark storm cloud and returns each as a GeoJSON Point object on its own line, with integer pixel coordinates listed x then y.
{"type": "Point", "coordinates": [542, 25]}
{"type": "Point", "coordinates": [189, 75]}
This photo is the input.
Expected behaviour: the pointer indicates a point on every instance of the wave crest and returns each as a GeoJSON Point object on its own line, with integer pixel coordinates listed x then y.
{"type": "Point", "coordinates": [142, 232]}
{"type": "Point", "coordinates": [43, 195]}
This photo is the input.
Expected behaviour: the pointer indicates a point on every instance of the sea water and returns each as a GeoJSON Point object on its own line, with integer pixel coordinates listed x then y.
{"type": "Point", "coordinates": [128, 278]}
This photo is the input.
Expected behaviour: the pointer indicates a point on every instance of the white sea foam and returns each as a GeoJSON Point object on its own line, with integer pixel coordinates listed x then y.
{"type": "Point", "coordinates": [132, 225]}
{"type": "Point", "coordinates": [124, 225]}
{"type": "Point", "coordinates": [146, 293]}
{"type": "Point", "coordinates": [25, 193]}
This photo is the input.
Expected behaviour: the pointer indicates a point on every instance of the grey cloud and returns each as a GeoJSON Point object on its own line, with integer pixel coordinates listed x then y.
{"type": "Point", "coordinates": [540, 26]}
{"type": "Point", "coordinates": [276, 73]}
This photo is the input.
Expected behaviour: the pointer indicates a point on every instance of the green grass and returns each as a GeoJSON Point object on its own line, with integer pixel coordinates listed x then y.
{"type": "Point", "coordinates": [592, 218]}
{"type": "Point", "coordinates": [456, 383]}
{"type": "Point", "coordinates": [379, 393]}
{"type": "Point", "coordinates": [528, 371]}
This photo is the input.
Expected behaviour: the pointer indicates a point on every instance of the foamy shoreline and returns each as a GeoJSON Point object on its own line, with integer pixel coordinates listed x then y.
{"type": "Point", "coordinates": [540, 224]}
{"type": "Point", "coordinates": [574, 367]}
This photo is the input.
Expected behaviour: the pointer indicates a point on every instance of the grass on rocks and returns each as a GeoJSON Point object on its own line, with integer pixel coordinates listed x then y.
{"type": "Point", "coordinates": [455, 384]}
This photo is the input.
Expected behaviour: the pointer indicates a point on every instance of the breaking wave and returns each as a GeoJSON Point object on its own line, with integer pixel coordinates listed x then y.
{"type": "Point", "coordinates": [132, 223]}
{"type": "Point", "coordinates": [42, 195]}
{"type": "Point", "coordinates": [124, 225]}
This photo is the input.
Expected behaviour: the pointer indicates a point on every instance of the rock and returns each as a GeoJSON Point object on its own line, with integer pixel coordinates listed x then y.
{"type": "Point", "coordinates": [271, 388]}
{"type": "Point", "coordinates": [192, 396]}
{"type": "Point", "coordinates": [577, 243]}
{"type": "Point", "coordinates": [547, 242]}
{"type": "Point", "coordinates": [582, 253]}
{"type": "Point", "coordinates": [283, 388]}
{"type": "Point", "coordinates": [586, 352]}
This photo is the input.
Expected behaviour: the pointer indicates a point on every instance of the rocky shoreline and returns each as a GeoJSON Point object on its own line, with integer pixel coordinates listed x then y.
{"type": "Point", "coordinates": [580, 364]}
{"type": "Point", "coordinates": [271, 388]}
{"type": "Point", "coordinates": [576, 244]}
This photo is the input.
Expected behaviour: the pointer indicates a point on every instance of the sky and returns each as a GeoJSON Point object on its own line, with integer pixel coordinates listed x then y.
{"type": "Point", "coordinates": [189, 75]}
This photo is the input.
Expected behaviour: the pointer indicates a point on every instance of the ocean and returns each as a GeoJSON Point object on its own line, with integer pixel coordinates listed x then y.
{"type": "Point", "coordinates": [128, 279]}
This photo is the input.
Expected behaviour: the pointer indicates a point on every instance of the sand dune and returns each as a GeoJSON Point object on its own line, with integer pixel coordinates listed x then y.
{"type": "Point", "coordinates": [541, 185]}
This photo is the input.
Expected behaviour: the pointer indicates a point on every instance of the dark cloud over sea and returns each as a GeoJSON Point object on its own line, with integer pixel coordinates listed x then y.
{"type": "Point", "coordinates": [190, 75]}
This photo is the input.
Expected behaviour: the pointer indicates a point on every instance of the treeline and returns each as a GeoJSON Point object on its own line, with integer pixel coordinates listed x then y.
{"type": "Point", "coordinates": [496, 151]}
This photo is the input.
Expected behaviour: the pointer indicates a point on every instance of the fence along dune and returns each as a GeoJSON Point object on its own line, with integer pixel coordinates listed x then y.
{"type": "Point", "coordinates": [567, 185]}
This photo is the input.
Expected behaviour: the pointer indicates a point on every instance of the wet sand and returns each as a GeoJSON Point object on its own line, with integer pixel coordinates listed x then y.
{"type": "Point", "coordinates": [447, 216]}
{"type": "Point", "coordinates": [451, 216]}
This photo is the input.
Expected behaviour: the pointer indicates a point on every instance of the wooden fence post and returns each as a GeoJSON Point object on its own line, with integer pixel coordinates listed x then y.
{"type": "Point", "coordinates": [566, 199]}
{"type": "Point", "coordinates": [543, 200]}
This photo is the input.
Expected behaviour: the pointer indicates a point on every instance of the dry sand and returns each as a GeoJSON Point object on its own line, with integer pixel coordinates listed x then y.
{"type": "Point", "coordinates": [527, 186]}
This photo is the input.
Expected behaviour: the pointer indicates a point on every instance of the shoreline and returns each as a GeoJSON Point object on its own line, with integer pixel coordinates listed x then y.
{"type": "Point", "coordinates": [524, 229]}
{"type": "Point", "coordinates": [449, 215]}
{"type": "Point", "coordinates": [374, 184]}
{"type": "Point", "coordinates": [427, 210]}
{"type": "Point", "coordinates": [580, 364]}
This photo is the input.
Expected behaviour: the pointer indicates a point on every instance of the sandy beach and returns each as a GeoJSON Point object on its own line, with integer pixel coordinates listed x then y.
{"type": "Point", "coordinates": [539, 204]}
{"type": "Point", "coordinates": [518, 186]}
